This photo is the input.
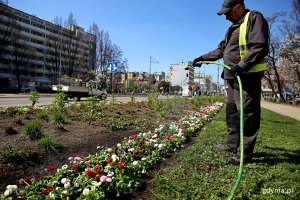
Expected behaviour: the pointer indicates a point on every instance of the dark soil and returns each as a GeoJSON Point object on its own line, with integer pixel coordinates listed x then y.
{"type": "Point", "coordinates": [77, 136]}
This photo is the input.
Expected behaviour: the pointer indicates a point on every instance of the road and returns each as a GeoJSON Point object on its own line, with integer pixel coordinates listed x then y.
{"type": "Point", "coordinates": [7, 100]}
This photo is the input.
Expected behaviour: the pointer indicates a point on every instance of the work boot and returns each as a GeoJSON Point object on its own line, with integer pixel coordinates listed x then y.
{"type": "Point", "coordinates": [235, 160]}
{"type": "Point", "coordinates": [222, 147]}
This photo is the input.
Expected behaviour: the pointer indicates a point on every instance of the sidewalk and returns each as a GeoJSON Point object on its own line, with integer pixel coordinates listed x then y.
{"type": "Point", "coordinates": [20, 95]}
{"type": "Point", "coordinates": [287, 110]}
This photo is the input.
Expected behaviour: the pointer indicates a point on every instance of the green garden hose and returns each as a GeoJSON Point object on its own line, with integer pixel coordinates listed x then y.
{"type": "Point", "coordinates": [241, 128]}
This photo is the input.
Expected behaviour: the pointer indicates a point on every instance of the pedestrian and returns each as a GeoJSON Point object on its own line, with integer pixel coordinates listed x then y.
{"type": "Point", "coordinates": [244, 49]}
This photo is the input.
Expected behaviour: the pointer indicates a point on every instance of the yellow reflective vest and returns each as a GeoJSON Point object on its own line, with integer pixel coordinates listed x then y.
{"type": "Point", "coordinates": [243, 44]}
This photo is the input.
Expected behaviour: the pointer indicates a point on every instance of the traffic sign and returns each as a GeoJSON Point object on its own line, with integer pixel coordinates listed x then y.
{"type": "Point", "coordinates": [112, 67]}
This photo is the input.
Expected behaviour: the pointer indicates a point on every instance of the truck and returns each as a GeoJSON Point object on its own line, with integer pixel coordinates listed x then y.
{"type": "Point", "coordinates": [81, 89]}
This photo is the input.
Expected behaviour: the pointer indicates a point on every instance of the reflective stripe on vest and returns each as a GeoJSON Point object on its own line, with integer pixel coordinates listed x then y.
{"type": "Point", "coordinates": [243, 44]}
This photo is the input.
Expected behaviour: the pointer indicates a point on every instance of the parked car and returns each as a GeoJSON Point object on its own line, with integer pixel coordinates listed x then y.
{"type": "Point", "coordinates": [26, 88]}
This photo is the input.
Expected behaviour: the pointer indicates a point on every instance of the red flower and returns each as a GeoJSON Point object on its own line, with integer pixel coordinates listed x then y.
{"type": "Point", "coordinates": [120, 164]}
{"type": "Point", "coordinates": [90, 173]}
{"type": "Point", "coordinates": [141, 142]}
{"type": "Point", "coordinates": [132, 137]}
{"type": "Point", "coordinates": [109, 160]}
{"type": "Point", "coordinates": [97, 169]}
{"type": "Point", "coordinates": [74, 167]}
{"type": "Point", "coordinates": [48, 190]}
{"type": "Point", "coordinates": [50, 168]}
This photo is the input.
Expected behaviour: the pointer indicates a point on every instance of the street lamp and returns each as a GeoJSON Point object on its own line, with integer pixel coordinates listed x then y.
{"type": "Point", "coordinates": [152, 60]}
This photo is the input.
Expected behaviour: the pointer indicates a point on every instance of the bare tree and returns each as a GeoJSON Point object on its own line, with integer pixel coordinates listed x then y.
{"type": "Point", "coordinates": [14, 47]}
{"type": "Point", "coordinates": [291, 51]}
{"type": "Point", "coordinates": [271, 74]}
{"type": "Point", "coordinates": [53, 53]}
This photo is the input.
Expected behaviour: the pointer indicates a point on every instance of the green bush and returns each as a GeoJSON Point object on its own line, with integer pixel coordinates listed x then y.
{"type": "Point", "coordinates": [58, 117]}
{"type": "Point", "coordinates": [48, 143]}
{"type": "Point", "coordinates": [33, 129]}
{"type": "Point", "coordinates": [42, 115]}
{"type": "Point", "coordinates": [34, 97]}
{"type": "Point", "coordinates": [11, 155]}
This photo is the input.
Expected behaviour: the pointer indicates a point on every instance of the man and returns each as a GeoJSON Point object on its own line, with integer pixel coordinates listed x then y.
{"type": "Point", "coordinates": [244, 50]}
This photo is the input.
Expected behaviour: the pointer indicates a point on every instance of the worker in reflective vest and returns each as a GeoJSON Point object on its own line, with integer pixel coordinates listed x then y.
{"type": "Point", "coordinates": [244, 49]}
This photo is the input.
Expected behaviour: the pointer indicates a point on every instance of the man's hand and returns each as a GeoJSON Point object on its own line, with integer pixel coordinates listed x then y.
{"type": "Point", "coordinates": [235, 71]}
{"type": "Point", "coordinates": [196, 62]}
{"type": "Point", "coordinates": [188, 66]}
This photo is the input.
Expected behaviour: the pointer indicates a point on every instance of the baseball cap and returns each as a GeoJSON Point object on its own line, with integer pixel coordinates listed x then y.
{"type": "Point", "coordinates": [228, 4]}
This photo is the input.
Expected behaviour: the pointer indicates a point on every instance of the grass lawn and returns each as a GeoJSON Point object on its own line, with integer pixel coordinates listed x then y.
{"type": "Point", "coordinates": [199, 172]}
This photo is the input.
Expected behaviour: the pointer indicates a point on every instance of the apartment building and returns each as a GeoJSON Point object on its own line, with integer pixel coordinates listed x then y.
{"type": "Point", "coordinates": [178, 76]}
{"type": "Point", "coordinates": [37, 51]}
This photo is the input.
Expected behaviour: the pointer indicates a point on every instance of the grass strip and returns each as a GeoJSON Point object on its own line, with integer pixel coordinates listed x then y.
{"type": "Point", "coordinates": [199, 172]}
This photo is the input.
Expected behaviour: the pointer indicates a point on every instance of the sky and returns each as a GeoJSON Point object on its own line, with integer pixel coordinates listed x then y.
{"type": "Point", "coordinates": [169, 31]}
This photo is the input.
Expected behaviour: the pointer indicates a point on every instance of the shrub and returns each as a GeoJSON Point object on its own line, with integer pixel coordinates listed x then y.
{"type": "Point", "coordinates": [42, 115]}
{"type": "Point", "coordinates": [48, 143]}
{"type": "Point", "coordinates": [33, 129]}
{"type": "Point", "coordinates": [34, 97]}
{"type": "Point", "coordinates": [59, 101]}
{"type": "Point", "coordinates": [58, 117]}
{"type": "Point", "coordinates": [23, 155]}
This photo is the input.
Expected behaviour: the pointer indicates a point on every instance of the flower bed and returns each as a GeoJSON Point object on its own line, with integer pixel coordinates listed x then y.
{"type": "Point", "coordinates": [112, 171]}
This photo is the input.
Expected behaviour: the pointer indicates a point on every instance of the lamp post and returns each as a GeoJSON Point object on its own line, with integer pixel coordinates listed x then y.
{"type": "Point", "coordinates": [152, 60]}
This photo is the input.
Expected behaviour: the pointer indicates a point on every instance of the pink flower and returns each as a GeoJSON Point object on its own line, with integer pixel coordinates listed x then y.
{"type": "Point", "coordinates": [25, 180]}
{"type": "Point", "coordinates": [102, 178]}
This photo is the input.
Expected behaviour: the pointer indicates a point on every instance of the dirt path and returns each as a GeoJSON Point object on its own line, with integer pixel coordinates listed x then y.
{"type": "Point", "coordinates": [287, 110]}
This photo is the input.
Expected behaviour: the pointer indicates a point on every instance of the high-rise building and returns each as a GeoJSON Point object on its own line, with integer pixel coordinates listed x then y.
{"type": "Point", "coordinates": [33, 50]}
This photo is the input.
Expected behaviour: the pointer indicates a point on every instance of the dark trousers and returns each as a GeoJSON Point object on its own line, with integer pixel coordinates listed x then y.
{"type": "Point", "coordinates": [251, 83]}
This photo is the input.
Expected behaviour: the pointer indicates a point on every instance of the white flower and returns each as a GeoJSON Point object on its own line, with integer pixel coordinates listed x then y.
{"type": "Point", "coordinates": [93, 188]}
{"type": "Point", "coordinates": [110, 174]}
{"type": "Point", "coordinates": [160, 146]}
{"type": "Point", "coordinates": [143, 171]}
{"type": "Point", "coordinates": [67, 185]}
{"type": "Point", "coordinates": [65, 192]}
{"type": "Point", "coordinates": [115, 157]}
{"type": "Point", "coordinates": [144, 158]}
{"type": "Point", "coordinates": [64, 167]}
{"type": "Point", "coordinates": [12, 187]}
{"type": "Point", "coordinates": [51, 195]}
{"type": "Point", "coordinates": [135, 162]}
{"type": "Point", "coordinates": [86, 191]}
{"type": "Point", "coordinates": [6, 193]}
{"type": "Point", "coordinates": [108, 180]}
{"type": "Point", "coordinates": [119, 145]}
{"type": "Point", "coordinates": [108, 149]}
{"type": "Point", "coordinates": [64, 180]}
{"type": "Point", "coordinates": [154, 136]}
{"type": "Point", "coordinates": [96, 184]}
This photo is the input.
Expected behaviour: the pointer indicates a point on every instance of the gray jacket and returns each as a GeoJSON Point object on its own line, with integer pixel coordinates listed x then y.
{"type": "Point", "coordinates": [258, 44]}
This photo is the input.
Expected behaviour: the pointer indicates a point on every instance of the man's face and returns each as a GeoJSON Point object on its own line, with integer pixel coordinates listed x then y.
{"type": "Point", "coordinates": [233, 14]}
